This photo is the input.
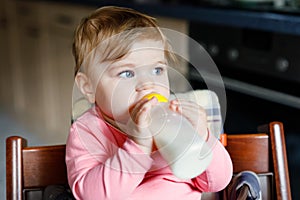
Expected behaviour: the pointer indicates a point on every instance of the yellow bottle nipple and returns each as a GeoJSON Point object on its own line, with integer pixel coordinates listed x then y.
{"type": "Point", "coordinates": [159, 97]}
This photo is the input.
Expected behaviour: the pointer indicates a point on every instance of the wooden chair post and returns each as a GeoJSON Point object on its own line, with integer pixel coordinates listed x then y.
{"type": "Point", "coordinates": [14, 181]}
{"type": "Point", "coordinates": [279, 157]}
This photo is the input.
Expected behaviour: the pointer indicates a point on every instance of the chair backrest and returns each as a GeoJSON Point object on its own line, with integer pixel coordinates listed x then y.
{"type": "Point", "coordinates": [265, 154]}
{"type": "Point", "coordinates": [30, 169]}
{"type": "Point", "coordinates": [33, 168]}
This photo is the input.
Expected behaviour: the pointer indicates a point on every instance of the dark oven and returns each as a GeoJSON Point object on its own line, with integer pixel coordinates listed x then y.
{"type": "Point", "coordinates": [261, 74]}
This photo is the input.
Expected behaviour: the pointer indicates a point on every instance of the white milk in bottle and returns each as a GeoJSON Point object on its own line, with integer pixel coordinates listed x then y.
{"type": "Point", "coordinates": [177, 141]}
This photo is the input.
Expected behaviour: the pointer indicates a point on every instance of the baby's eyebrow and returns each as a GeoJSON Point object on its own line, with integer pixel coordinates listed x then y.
{"type": "Point", "coordinates": [121, 64]}
{"type": "Point", "coordinates": [162, 62]}
{"type": "Point", "coordinates": [116, 65]}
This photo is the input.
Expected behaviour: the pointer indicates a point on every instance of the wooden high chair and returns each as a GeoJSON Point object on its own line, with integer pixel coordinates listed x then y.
{"type": "Point", "coordinates": [30, 169]}
{"type": "Point", "coordinates": [265, 154]}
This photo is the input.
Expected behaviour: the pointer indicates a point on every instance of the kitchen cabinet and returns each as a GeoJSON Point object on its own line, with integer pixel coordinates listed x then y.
{"type": "Point", "coordinates": [30, 54]}
{"type": "Point", "coordinates": [40, 65]}
{"type": "Point", "coordinates": [12, 98]}
{"type": "Point", "coordinates": [59, 66]}
{"type": "Point", "coordinates": [5, 66]}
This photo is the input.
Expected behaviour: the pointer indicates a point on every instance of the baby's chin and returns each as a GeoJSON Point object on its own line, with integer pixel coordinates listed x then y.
{"type": "Point", "coordinates": [121, 119]}
{"type": "Point", "coordinates": [113, 117]}
{"type": "Point", "coordinates": [119, 124]}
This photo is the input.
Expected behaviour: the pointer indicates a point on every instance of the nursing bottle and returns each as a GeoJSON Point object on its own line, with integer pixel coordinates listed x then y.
{"type": "Point", "coordinates": [180, 145]}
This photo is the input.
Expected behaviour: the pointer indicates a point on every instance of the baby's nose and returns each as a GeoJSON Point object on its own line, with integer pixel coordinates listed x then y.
{"type": "Point", "coordinates": [145, 79]}
{"type": "Point", "coordinates": [145, 83]}
{"type": "Point", "coordinates": [145, 86]}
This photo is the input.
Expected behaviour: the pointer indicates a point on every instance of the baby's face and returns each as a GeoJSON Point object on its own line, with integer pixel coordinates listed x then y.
{"type": "Point", "coordinates": [142, 71]}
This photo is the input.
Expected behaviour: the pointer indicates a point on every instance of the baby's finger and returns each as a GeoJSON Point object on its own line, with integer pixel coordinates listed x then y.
{"type": "Point", "coordinates": [185, 106]}
{"type": "Point", "coordinates": [140, 111]}
{"type": "Point", "coordinates": [193, 112]}
{"type": "Point", "coordinates": [190, 110]}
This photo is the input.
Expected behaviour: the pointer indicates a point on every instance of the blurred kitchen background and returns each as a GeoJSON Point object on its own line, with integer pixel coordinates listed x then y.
{"type": "Point", "coordinates": [255, 44]}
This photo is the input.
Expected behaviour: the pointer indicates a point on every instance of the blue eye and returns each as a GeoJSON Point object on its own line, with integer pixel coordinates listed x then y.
{"type": "Point", "coordinates": [126, 74]}
{"type": "Point", "coordinates": [158, 70]}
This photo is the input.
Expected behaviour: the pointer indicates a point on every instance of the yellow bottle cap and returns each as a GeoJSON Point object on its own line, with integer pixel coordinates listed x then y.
{"type": "Point", "coordinates": [159, 97]}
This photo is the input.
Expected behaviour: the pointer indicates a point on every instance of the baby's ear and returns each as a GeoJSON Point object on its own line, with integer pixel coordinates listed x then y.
{"type": "Point", "coordinates": [85, 86]}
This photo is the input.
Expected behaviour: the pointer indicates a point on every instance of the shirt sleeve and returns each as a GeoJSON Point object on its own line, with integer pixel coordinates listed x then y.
{"type": "Point", "coordinates": [98, 167]}
{"type": "Point", "coordinates": [219, 172]}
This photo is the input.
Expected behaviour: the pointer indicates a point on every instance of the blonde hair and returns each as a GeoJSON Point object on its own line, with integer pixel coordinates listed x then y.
{"type": "Point", "coordinates": [124, 24]}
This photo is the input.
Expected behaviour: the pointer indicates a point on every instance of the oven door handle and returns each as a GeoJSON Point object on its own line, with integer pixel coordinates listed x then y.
{"type": "Point", "coordinates": [250, 89]}
{"type": "Point", "coordinates": [261, 92]}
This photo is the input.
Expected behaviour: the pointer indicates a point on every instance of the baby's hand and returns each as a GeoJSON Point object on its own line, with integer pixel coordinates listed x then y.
{"type": "Point", "coordinates": [193, 112]}
{"type": "Point", "coordinates": [137, 126]}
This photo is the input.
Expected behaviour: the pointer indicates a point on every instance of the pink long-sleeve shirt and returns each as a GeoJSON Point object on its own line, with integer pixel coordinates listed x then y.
{"type": "Point", "coordinates": [103, 163]}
